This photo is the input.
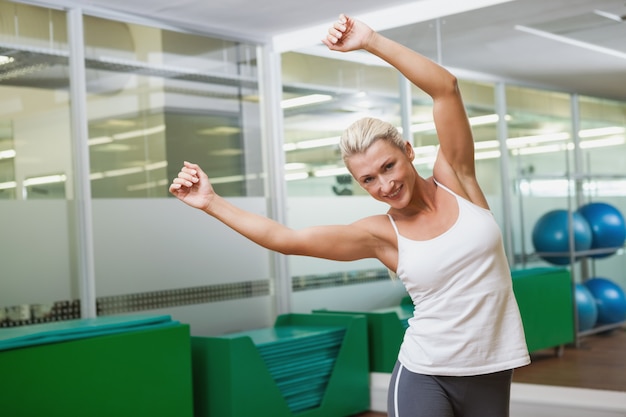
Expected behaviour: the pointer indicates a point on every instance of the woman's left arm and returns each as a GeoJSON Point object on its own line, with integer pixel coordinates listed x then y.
{"type": "Point", "coordinates": [455, 162]}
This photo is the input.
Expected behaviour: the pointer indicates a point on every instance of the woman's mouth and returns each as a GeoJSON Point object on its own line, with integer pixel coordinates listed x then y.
{"type": "Point", "coordinates": [395, 194]}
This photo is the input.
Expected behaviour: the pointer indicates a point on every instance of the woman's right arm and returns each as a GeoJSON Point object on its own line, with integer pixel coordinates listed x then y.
{"type": "Point", "coordinates": [455, 165]}
{"type": "Point", "coordinates": [340, 243]}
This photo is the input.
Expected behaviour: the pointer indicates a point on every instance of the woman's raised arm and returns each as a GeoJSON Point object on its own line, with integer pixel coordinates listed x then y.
{"type": "Point", "coordinates": [450, 117]}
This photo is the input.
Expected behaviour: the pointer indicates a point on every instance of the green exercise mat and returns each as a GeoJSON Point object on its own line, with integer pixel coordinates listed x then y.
{"type": "Point", "coordinates": [38, 334]}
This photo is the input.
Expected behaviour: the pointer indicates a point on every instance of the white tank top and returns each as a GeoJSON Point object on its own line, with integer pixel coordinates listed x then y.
{"type": "Point", "coordinates": [466, 319]}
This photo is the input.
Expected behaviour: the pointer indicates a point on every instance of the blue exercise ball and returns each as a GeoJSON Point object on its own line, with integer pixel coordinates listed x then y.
{"type": "Point", "coordinates": [551, 234]}
{"type": "Point", "coordinates": [586, 308]}
{"type": "Point", "coordinates": [608, 228]}
{"type": "Point", "coordinates": [610, 300]}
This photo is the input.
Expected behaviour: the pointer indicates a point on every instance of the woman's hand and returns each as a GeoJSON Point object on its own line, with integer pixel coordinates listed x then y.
{"type": "Point", "coordinates": [348, 34]}
{"type": "Point", "coordinates": [192, 186]}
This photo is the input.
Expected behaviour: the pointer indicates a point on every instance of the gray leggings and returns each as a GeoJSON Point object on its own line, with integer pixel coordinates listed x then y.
{"type": "Point", "coordinates": [417, 395]}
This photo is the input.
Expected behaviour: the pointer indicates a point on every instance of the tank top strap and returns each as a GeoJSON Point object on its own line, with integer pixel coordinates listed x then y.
{"type": "Point", "coordinates": [444, 187]}
{"type": "Point", "coordinates": [393, 223]}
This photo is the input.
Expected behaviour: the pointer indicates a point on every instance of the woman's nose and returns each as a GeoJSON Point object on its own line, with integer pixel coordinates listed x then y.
{"type": "Point", "coordinates": [387, 185]}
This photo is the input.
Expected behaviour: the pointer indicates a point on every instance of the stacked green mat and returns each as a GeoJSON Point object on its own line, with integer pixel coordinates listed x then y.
{"type": "Point", "coordinates": [300, 359]}
{"type": "Point", "coordinates": [64, 331]}
{"type": "Point", "coordinates": [385, 331]}
{"type": "Point", "coordinates": [122, 366]}
{"type": "Point", "coordinates": [306, 365]}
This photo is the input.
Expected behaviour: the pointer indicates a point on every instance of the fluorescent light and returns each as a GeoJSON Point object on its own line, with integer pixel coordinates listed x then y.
{"type": "Point", "coordinates": [318, 143]}
{"type": "Point", "coordinates": [310, 144]}
{"type": "Point", "coordinates": [296, 176]}
{"type": "Point", "coordinates": [539, 149]}
{"type": "Point", "coordinates": [570, 41]}
{"type": "Point", "coordinates": [599, 143]}
{"type": "Point", "coordinates": [156, 165]}
{"type": "Point", "coordinates": [428, 149]}
{"type": "Point", "coordinates": [474, 121]}
{"type": "Point", "coordinates": [292, 166]}
{"type": "Point", "coordinates": [8, 154]}
{"type": "Point", "coordinates": [486, 144]}
{"type": "Point", "coordinates": [423, 127]}
{"type": "Point", "coordinates": [49, 179]}
{"type": "Point", "coordinates": [545, 187]}
{"type": "Point", "coordinates": [611, 16]}
{"type": "Point", "coordinates": [535, 139]}
{"type": "Point", "coordinates": [100, 140]}
{"type": "Point", "coordinates": [425, 160]}
{"type": "Point", "coordinates": [6, 59]}
{"type": "Point", "coordinates": [7, 185]}
{"type": "Point", "coordinates": [484, 120]}
{"type": "Point", "coordinates": [305, 100]}
{"type": "Point", "coordinates": [232, 178]}
{"type": "Point", "coordinates": [123, 171]}
{"type": "Point", "coordinates": [147, 185]}
{"type": "Point", "coordinates": [139, 133]}
{"type": "Point", "coordinates": [601, 131]}
{"type": "Point", "coordinates": [487, 155]}
{"type": "Point", "coordinates": [330, 172]}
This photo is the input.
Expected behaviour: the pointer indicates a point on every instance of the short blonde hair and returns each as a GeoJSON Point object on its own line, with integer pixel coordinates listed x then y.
{"type": "Point", "coordinates": [360, 135]}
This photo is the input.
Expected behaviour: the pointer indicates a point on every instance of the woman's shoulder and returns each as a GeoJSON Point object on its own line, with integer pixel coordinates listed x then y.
{"type": "Point", "coordinates": [379, 226]}
{"type": "Point", "coordinates": [374, 221]}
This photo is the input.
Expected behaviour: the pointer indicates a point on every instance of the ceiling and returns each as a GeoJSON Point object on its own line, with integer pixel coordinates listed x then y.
{"type": "Point", "coordinates": [576, 46]}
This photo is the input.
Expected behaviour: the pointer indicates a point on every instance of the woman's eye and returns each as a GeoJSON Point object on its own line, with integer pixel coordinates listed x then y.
{"type": "Point", "coordinates": [389, 166]}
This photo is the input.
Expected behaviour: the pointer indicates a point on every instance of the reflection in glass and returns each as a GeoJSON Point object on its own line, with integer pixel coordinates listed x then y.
{"type": "Point", "coordinates": [157, 98]}
{"type": "Point", "coordinates": [7, 161]}
{"type": "Point", "coordinates": [35, 163]}
{"type": "Point", "coordinates": [318, 105]}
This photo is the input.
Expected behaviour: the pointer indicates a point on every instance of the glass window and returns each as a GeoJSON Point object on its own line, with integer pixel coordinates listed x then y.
{"type": "Point", "coordinates": [157, 98]}
{"type": "Point", "coordinates": [154, 99]}
{"type": "Point", "coordinates": [480, 106]}
{"type": "Point", "coordinates": [35, 165]}
{"type": "Point", "coordinates": [542, 160]}
{"type": "Point", "coordinates": [603, 146]}
{"type": "Point", "coordinates": [603, 177]}
{"type": "Point", "coordinates": [321, 98]}
{"type": "Point", "coordinates": [34, 101]}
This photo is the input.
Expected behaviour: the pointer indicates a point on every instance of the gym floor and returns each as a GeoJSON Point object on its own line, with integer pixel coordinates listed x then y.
{"type": "Point", "coordinates": [597, 363]}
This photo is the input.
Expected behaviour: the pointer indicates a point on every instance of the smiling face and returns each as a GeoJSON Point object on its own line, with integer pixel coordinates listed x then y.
{"type": "Point", "coordinates": [385, 171]}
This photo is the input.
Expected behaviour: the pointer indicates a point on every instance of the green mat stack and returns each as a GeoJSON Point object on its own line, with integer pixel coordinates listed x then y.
{"type": "Point", "coordinates": [102, 367]}
{"type": "Point", "coordinates": [300, 359]}
{"type": "Point", "coordinates": [385, 331]}
{"type": "Point", "coordinates": [306, 365]}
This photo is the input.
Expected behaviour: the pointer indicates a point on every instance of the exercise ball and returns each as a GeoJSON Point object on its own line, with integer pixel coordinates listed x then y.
{"type": "Point", "coordinates": [586, 308]}
{"type": "Point", "coordinates": [610, 300]}
{"type": "Point", "coordinates": [551, 234]}
{"type": "Point", "coordinates": [608, 229]}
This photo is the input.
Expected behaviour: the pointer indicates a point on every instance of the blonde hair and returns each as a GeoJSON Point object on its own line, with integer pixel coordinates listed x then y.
{"type": "Point", "coordinates": [360, 135]}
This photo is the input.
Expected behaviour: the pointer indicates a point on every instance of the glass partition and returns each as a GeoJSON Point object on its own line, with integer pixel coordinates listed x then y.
{"type": "Point", "coordinates": [542, 161]}
{"type": "Point", "coordinates": [318, 105]}
{"type": "Point", "coordinates": [479, 99]}
{"type": "Point", "coordinates": [155, 98]}
{"type": "Point", "coordinates": [35, 166]}
{"type": "Point", "coordinates": [603, 177]}
{"type": "Point", "coordinates": [7, 160]}
{"type": "Point", "coordinates": [321, 98]}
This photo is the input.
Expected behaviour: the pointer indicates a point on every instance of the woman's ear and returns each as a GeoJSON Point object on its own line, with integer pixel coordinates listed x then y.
{"type": "Point", "coordinates": [410, 152]}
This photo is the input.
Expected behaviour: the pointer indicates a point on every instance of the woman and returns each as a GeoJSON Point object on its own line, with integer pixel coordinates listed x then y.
{"type": "Point", "coordinates": [466, 336]}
